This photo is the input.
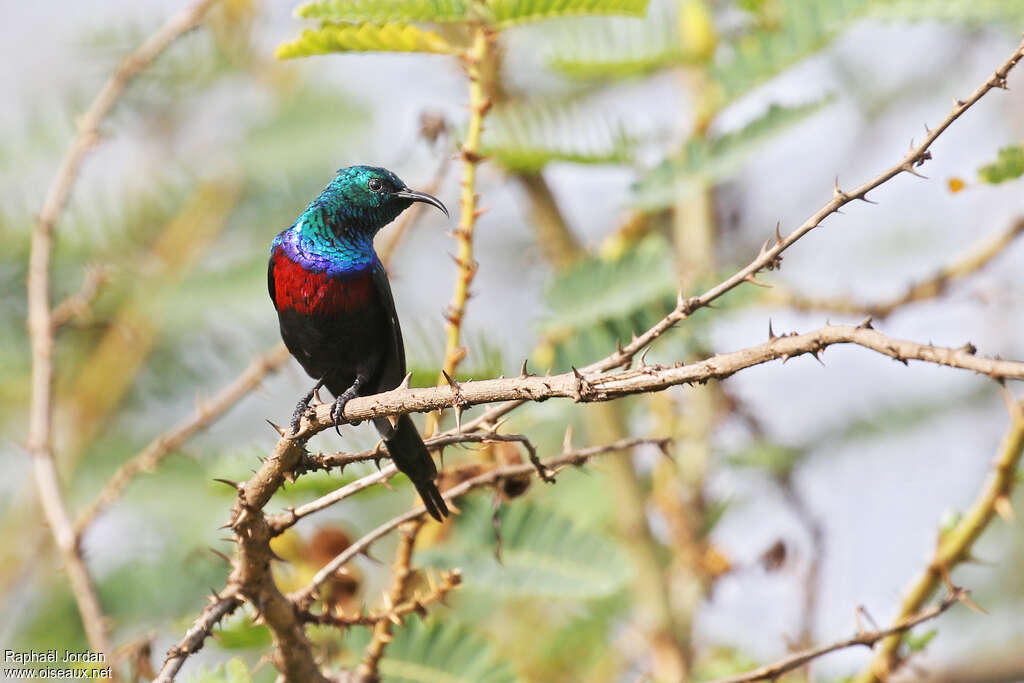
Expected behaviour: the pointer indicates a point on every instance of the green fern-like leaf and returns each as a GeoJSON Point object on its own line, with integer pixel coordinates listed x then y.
{"type": "Point", "coordinates": [1009, 165]}
{"type": "Point", "coordinates": [617, 48]}
{"type": "Point", "coordinates": [506, 13]}
{"type": "Point", "coordinates": [364, 37]}
{"type": "Point", "coordinates": [543, 555]}
{"type": "Point", "coordinates": [525, 136]}
{"type": "Point", "coordinates": [1006, 13]}
{"type": "Point", "coordinates": [804, 27]}
{"type": "Point", "coordinates": [385, 10]}
{"type": "Point", "coordinates": [437, 651]}
{"type": "Point", "coordinates": [718, 158]}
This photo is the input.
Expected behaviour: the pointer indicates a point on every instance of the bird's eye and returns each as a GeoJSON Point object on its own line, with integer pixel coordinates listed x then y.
{"type": "Point", "coordinates": [375, 184]}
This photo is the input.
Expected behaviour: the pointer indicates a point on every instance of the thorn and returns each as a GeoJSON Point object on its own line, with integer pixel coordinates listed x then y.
{"type": "Point", "coordinates": [865, 324]}
{"type": "Point", "coordinates": [317, 401]}
{"type": "Point", "coordinates": [233, 484]}
{"type": "Point", "coordinates": [567, 440]}
{"type": "Point", "coordinates": [523, 372]}
{"type": "Point", "coordinates": [279, 430]}
{"type": "Point", "coordinates": [223, 557]}
{"type": "Point", "coordinates": [817, 356]}
{"type": "Point", "coordinates": [754, 281]}
{"type": "Point", "coordinates": [643, 357]}
{"type": "Point", "coordinates": [771, 332]}
{"type": "Point", "coordinates": [836, 192]}
{"type": "Point", "coordinates": [1004, 508]}
{"type": "Point", "coordinates": [406, 381]}
{"type": "Point", "coordinates": [778, 235]}
{"type": "Point", "coordinates": [910, 169]}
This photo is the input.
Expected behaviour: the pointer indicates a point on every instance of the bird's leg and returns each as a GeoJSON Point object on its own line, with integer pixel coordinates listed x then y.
{"type": "Point", "coordinates": [338, 409]}
{"type": "Point", "coordinates": [303, 406]}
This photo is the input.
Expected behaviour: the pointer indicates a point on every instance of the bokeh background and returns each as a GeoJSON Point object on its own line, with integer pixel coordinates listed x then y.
{"type": "Point", "coordinates": [219, 146]}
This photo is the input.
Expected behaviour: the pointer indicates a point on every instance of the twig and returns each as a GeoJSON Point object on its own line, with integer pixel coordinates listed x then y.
{"type": "Point", "coordinates": [367, 671]}
{"type": "Point", "coordinates": [968, 264]}
{"type": "Point", "coordinates": [491, 478]}
{"type": "Point", "coordinates": [77, 304]}
{"type": "Point", "coordinates": [279, 523]}
{"type": "Point", "coordinates": [201, 628]}
{"type": "Point", "coordinates": [206, 413]}
{"type": "Point", "coordinates": [449, 581]}
{"type": "Point", "coordinates": [41, 318]}
{"type": "Point", "coordinates": [475, 63]}
{"type": "Point", "coordinates": [954, 545]}
{"type": "Point", "coordinates": [647, 378]}
{"type": "Point", "coordinates": [798, 659]}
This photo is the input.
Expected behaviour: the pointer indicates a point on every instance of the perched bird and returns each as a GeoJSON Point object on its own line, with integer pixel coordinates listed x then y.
{"type": "Point", "coordinates": [336, 311]}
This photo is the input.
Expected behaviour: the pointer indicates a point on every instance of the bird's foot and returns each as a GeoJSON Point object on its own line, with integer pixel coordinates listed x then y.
{"type": "Point", "coordinates": [303, 407]}
{"type": "Point", "coordinates": [338, 413]}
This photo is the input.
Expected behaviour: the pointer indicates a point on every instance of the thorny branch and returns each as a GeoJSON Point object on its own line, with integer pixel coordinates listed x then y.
{"type": "Point", "coordinates": [954, 545]}
{"type": "Point", "coordinates": [395, 615]}
{"type": "Point", "coordinates": [869, 638]}
{"type": "Point", "coordinates": [476, 63]}
{"type": "Point", "coordinates": [77, 304]}
{"type": "Point", "coordinates": [968, 264]}
{"type": "Point", "coordinates": [646, 378]}
{"type": "Point", "coordinates": [41, 317]}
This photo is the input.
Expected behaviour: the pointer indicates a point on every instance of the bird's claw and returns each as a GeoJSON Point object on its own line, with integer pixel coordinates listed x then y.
{"type": "Point", "coordinates": [338, 413]}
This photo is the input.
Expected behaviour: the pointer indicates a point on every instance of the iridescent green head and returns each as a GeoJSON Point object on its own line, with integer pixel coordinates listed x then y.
{"type": "Point", "coordinates": [366, 198]}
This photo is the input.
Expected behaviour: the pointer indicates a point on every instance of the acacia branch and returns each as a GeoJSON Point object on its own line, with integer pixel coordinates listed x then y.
{"type": "Point", "coordinates": [585, 388]}
{"type": "Point", "coordinates": [41, 317]}
{"type": "Point", "coordinates": [279, 523]}
{"type": "Point", "coordinates": [77, 304]}
{"type": "Point", "coordinates": [954, 545]}
{"type": "Point", "coordinates": [396, 615]}
{"type": "Point", "coordinates": [869, 638]}
{"type": "Point", "coordinates": [969, 263]}
{"type": "Point", "coordinates": [221, 606]}
{"type": "Point", "coordinates": [476, 62]}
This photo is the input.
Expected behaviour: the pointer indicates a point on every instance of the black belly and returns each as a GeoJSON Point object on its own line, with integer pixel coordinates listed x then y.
{"type": "Point", "coordinates": [337, 347]}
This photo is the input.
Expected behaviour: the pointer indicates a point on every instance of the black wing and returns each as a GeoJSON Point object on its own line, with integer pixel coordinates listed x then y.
{"type": "Point", "coordinates": [392, 370]}
{"type": "Point", "coordinates": [270, 281]}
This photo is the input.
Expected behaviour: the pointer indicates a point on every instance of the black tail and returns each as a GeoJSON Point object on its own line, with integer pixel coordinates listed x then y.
{"type": "Point", "coordinates": [412, 459]}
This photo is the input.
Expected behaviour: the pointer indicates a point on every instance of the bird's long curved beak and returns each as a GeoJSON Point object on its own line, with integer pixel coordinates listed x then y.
{"type": "Point", "coordinates": [415, 196]}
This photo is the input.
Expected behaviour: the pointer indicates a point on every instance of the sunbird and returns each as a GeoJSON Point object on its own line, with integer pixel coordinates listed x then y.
{"type": "Point", "coordinates": [336, 311]}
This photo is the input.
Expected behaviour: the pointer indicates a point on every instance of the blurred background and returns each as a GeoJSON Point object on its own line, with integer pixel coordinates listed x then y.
{"type": "Point", "coordinates": [627, 156]}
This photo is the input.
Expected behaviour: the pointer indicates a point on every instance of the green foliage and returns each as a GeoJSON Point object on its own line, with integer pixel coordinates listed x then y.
{"type": "Point", "coordinates": [437, 651]}
{"type": "Point", "coordinates": [618, 48]}
{"type": "Point", "coordinates": [543, 555]}
{"type": "Point", "coordinates": [527, 135]}
{"type": "Point", "coordinates": [776, 459]}
{"type": "Point", "coordinates": [917, 643]}
{"type": "Point", "coordinates": [713, 160]}
{"type": "Point", "coordinates": [802, 28]}
{"type": "Point", "coordinates": [598, 302]}
{"type": "Point", "coordinates": [233, 671]}
{"type": "Point", "coordinates": [505, 13]}
{"type": "Point", "coordinates": [1008, 13]}
{"type": "Point", "coordinates": [1009, 165]}
{"type": "Point", "coordinates": [363, 37]}
{"type": "Point", "coordinates": [385, 10]}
